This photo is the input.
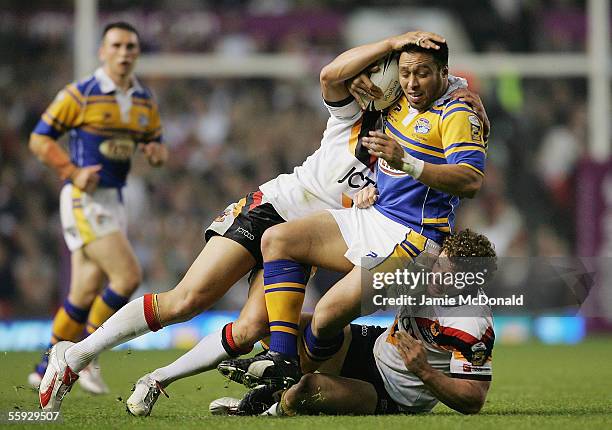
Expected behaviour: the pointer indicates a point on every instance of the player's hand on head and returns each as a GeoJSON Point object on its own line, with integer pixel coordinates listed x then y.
{"type": "Point", "coordinates": [366, 197]}
{"type": "Point", "coordinates": [413, 353]}
{"type": "Point", "coordinates": [155, 152]}
{"type": "Point", "coordinates": [475, 102]}
{"type": "Point", "coordinates": [424, 39]}
{"type": "Point", "coordinates": [361, 86]}
{"type": "Point", "coordinates": [385, 147]}
{"type": "Point", "coordinates": [86, 178]}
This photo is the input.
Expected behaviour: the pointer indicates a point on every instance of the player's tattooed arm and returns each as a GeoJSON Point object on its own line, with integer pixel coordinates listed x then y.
{"type": "Point", "coordinates": [463, 395]}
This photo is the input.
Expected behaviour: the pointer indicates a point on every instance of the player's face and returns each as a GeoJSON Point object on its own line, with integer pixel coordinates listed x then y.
{"type": "Point", "coordinates": [422, 80]}
{"type": "Point", "coordinates": [119, 51]}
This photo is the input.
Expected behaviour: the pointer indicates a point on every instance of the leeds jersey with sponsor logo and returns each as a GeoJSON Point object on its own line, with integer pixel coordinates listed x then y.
{"type": "Point", "coordinates": [458, 340]}
{"type": "Point", "coordinates": [448, 133]}
{"type": "Point", "coordinates": [339, 168]}
{"type": "Point", "coordinates": [104, 124]}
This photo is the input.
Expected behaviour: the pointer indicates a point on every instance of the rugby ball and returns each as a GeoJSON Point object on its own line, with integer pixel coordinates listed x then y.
{"type": "Point", "coordinates": [387, 79]}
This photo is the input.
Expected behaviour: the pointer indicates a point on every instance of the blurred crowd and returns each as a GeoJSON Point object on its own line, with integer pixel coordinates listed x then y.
{"type": "Point", "coordinates": [228, 136]}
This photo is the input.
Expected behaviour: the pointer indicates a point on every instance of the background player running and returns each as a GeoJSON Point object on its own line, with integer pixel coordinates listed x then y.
{"type": "Point", "coordinates": [108, 115]}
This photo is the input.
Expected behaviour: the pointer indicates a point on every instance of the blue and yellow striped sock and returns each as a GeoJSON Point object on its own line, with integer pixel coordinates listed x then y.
{"type": "Point", "coordinates": [68, 324]}
{"type": "Point", "coordinates": [284, 286]}
{"type": "Point", "coordinates": [319, 349]}
{"type": "Point", "coordinates": [104, 306]}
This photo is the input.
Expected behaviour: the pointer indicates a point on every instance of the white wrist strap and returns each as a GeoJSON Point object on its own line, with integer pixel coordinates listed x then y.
{"type": "Point", "coordinates": [412, 165]}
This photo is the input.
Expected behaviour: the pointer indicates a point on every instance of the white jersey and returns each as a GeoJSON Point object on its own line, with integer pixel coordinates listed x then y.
{"type": "Point", "coordinates": [458, 345]}
{"type": "Point", "coordinates": [330, 177]}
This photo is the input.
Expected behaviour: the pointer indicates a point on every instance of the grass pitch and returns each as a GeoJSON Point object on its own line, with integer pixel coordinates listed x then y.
{"type": "Point", "coordinates": [534, 386]}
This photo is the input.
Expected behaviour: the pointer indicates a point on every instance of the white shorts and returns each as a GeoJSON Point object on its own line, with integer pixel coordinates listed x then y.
{"type": "Point", "coordinates": [86, 217]}
{"type": "Point", "coordinates": [372, 238]}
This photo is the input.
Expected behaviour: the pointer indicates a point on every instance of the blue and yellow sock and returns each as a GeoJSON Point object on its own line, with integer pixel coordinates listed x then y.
{"type": "Point", "coordinates": [104, 306]}
{"type": "Point", "coordinates": [319, 349]}
{"type": "Point", "coordinates": [284, 286]}
{"type": "Point", "coordinates": [68, 324]}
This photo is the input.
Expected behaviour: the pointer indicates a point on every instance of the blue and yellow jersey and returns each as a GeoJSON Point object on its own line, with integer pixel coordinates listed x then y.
{"type": "Point", "coordinates": [448, 133]}
{"type": "Point", "coordinates": [105, 125]}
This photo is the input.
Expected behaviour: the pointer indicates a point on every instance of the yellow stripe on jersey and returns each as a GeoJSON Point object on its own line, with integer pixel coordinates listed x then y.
{"type": "Point", "coordinates": [465, 148]}
{"type": "Point", "coordinates": [354, 138]}
{"type": "Point", "coordinates": [435, 220]}
{"type": "Point", "coordinates": [82, 224]}
{"type": "Point", "coordinates": [471, 167]}
{"type": "Point", "coordinates": [414, 147]}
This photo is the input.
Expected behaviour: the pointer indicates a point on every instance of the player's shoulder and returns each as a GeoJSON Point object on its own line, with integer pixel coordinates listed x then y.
{"type": "Point", "coordinates": [454, 105]}
{"type": "Point", "coordinates": [470, 325]}
{"type": "Point", "coordinates": [87, 86]}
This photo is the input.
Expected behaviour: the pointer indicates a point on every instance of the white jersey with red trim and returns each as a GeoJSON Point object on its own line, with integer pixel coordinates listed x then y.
{"type": "Point", "coordinates": [330, 177]}
{"type": "Point", "coordinates": [459, 342]}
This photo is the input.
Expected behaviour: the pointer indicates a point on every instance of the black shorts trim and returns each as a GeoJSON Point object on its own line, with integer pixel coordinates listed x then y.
{"type": "Point", "coordinates": [250, 224]}
{"type": "Point", "coordinates": [360, 364]}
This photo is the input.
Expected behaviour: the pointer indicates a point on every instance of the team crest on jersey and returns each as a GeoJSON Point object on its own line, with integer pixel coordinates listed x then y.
{"type": "Point", "coordinates": [475, 127]}
{"type": "Point", "coordinates": [422, 126]}
{"type": "Point", "coordinates": [143, 120]}
{"type": "Point", "coordinates": [479, 354]}
{"type": "Point", "coordinates": [120, 149]}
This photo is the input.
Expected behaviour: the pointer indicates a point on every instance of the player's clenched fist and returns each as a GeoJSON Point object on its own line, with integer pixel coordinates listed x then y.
{"type": "Point", "coordinates": [385, 147]}
{"type": "Point", "coordinates": [366, 197]}
{"type": "Point", "coordinates": [156, 153]}
{"type": "Point", "coordinates": [86, 178]}
{"type": "Point", "coordinates": [413, 353]}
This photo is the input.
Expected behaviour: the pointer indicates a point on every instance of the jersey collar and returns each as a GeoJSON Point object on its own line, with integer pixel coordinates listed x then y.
{"type": "Point", "coordinates": [108, 86]}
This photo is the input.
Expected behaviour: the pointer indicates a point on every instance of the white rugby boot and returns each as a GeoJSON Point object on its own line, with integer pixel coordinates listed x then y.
{"type": "Point", "coordinates": [58, 378]}
{"type": "Point", "coordinates": [224, 406]}
{"type": "Point", "coordinates": [90, 379]}
{"type": "Point", "coordinates": [145, 394]}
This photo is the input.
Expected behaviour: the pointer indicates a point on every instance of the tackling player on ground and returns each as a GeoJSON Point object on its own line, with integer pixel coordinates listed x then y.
{"type": "Point", "coordinates": [108, 115]}
{"type": "Point", "coordinates": [430, 354]}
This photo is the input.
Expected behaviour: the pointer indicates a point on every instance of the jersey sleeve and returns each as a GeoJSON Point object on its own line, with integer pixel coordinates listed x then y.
{"type": "Point", "coordinates": [344, 110]}
{"type": "Point", "coordinates": [462, 138]}
{"type": "Point", "coordinates": [470, 341]}
{"type": "Point", "coordinates": [62, 114]}
{"type": "Point", "coordinates": [154, 130]}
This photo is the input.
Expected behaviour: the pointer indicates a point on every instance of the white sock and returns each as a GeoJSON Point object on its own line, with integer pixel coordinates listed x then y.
{"type": "Point", "coordinates": [206, 355]}
{"type": "Point", "coordinates": [126, 324]}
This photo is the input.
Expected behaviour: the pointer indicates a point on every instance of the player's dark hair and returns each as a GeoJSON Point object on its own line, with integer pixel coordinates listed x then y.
{"type": "Point", "coordinates": [121, 25]}
{"type": "Point", "coordinates": [469, 251]}
{"type": "Point", "coordinates": [440, 56]}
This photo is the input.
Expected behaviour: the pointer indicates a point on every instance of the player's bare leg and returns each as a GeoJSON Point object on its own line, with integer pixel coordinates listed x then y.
{"type": "Point", "coordinates": [220, 264]}
{"type": "Point", "coordinates": [314, 240]}
{"type": "Point", "coordinates": [321, 393]}
{"type": "Point", "coordinates": [235, 338]}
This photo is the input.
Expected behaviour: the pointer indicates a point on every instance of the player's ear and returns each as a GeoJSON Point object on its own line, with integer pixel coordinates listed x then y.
{"type": "Point", "coordinates": [444, 71]}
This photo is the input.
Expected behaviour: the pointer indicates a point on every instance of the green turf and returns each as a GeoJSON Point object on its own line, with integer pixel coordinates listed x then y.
{"type": "Point", "coordinates": [534, 386]}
